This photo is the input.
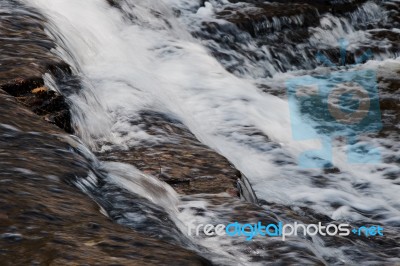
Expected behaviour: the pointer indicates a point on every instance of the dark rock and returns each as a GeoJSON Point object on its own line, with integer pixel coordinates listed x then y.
{"type": "Point", "coordinates": [25, 46]}
{"type": "Point", "coordinates": [182, 161]}
{"type": "Point", "coordinates": [268, 18]}
{"type": "Point", "coordinates": [46, 221]}
{"type": "Point", "coordinates": [263, 17]}
{"type": "Point", "coordinates": [26, 57]}
{"type": "Point", "coordinates": [389, 99]}
{"type": "Point", "coordinates": [46, 103]}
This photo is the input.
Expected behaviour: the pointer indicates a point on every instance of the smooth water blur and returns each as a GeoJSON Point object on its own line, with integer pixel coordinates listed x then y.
{"type": "Point", "coordinates": [141, 57]}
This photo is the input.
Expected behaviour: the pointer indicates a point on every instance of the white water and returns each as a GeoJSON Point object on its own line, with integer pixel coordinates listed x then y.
{"type": "Point", "coordinates": [129, 67]}
{"type": "Point", "coordinates": [146, 65]}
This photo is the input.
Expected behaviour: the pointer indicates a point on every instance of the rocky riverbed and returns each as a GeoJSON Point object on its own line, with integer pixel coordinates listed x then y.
{"type": "Point", "coordinates": [125, 126]}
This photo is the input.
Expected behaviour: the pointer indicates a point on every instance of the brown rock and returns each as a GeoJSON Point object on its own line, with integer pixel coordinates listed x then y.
{"type": "Point", "coordinates": [44, 220]}
{"type": "Point", "coordinates": [26, 57]}
{"type": "Point", "coordinates": [181, 160]}
{"type": "Point", "coordinates": [40, 90]}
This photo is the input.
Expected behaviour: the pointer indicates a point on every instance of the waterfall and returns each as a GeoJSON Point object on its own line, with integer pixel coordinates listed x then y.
{"type": "Point", "coordinates": [139, 56]}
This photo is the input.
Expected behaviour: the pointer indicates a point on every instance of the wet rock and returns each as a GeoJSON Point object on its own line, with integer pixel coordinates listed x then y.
{"type": "Point", "coordinates": [334, 6]}
{"type": "Point", "coordinates": [292, 251]}
{"type": "Point", "coordinates": [44, 102]}
{"type": "Point", "coordinates": [184, 163]}
{"type": "Point", "coordinates": [26, 57]}
{"type": "Point", "coordinates": [248, 38]}
{"type": "Point", "coordinates": [261, 17]}
{"type": "Point", "coordinates": [268, 18]}
{"type": "Point", "coordinates": [181, 160]}
{"type": "Point", "coordinates": [46, 221]}
{"type": "Point", "coordinates": [389, 98]}
{"type": "Point", "coordinates": [25, 47]}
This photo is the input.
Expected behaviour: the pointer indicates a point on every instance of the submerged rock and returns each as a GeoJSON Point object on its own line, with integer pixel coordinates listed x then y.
{"type": "Point", "coordinates": [181, 160]}
{"type": "Point", "coordinates": [268, 18]}
{"type": "Point", "coordinates": [262, 38]}
{"type": "Point", "coordinates": [44, 220]}
{"type": "Point", "coordinates": [184, 163]}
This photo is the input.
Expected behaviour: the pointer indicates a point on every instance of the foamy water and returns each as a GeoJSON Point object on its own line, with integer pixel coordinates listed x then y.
{"type": "Point", "coordinates": [128, 66]}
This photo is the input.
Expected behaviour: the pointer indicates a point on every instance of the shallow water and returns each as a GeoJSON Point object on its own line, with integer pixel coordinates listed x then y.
{"type": "Point", "coordinates": [196, 68]}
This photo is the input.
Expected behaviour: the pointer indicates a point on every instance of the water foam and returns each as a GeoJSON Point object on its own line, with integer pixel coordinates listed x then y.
{"type": "Point", "coordinates": [155, 64]}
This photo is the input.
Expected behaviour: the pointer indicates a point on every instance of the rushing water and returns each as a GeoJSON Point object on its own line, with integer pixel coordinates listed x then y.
{"type": "Point", "coordinates": [187, 61]}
